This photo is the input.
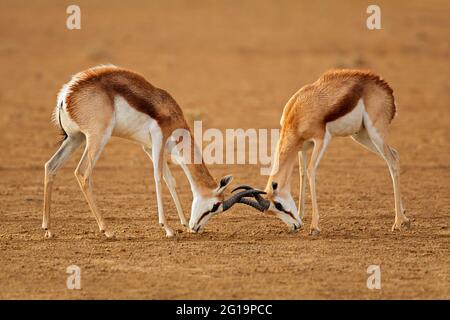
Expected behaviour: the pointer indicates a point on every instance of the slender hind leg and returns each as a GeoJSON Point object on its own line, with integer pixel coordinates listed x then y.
{"type": "Point", "coordinates": [302, 164]}
{"type": "Point", "coordinates": [319, 148]}
{"type": "Point", "coordinates": [83, 173]}
{"type": "Point", "coordinates": [69, 145]}
{"type": "Point", "coordinates": [397, 159]}
{"type": "Point", "coordinates": [171, 185]}
{"type": "Point", "coordinates": [372, 141]}
{"type": "Point", "coordinates": [362, 137]}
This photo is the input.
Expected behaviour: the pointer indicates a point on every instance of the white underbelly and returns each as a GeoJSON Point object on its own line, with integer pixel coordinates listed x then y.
{"type": "Point", "coordinates": [349, 124]}
{"type": "Point", "coordinates": [130, 123]}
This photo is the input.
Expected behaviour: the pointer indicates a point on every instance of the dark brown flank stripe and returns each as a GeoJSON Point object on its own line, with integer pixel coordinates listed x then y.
{"type": "Point", "coordinates": [366, 77]}
{"type": "Point", "coordinates": [346, 104]}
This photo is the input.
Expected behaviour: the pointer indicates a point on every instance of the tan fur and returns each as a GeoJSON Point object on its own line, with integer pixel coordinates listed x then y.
{"type": "Point", "coordinates": [306, 115]}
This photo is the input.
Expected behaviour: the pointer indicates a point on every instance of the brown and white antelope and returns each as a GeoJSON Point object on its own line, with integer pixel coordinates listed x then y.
{"type": "Point", "coordinates": [340, 103]}
{"type": "Point", "coordinates": [107, 101]}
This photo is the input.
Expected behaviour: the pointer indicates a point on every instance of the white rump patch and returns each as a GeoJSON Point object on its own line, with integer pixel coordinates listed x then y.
{"type": "Point", "coordinates": [60, 111]}
{"type": "Point", "coordinates": [66, 89]}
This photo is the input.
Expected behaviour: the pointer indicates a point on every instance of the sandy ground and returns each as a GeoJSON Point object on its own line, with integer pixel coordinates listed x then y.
{"type": "Point", "coordinates": [232, 64]}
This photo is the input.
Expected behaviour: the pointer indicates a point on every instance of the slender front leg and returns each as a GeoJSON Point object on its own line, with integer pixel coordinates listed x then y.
{"type": "Point", "coordinates": [171, 185]}
{"type": "Point", "coordinates": [302, 161]}
{"type": "Point", "coordinates": [158, 162]}
{"type": "Point", "coordinates": [319, 148]}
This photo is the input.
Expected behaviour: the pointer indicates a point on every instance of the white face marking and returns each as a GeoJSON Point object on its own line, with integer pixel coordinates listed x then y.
{"type": "Point", "coordinates": [288, 204]}
{"type": "Point", "coordinates": [200, 206]}
{"type": "Point", "coordinates": [204, 208]}
{"type": "Point", "coordinates": [348, 124]}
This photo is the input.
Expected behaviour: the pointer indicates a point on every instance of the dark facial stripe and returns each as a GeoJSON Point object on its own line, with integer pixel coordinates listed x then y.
{"type": "Point", "coordinates": [289, 214]}
{"type": "Point", "coordinates": [214, 209]}
{"type": "Point", "coordinates": [203, 215]}
{"type": "Point", "coordinates": [280, 207]}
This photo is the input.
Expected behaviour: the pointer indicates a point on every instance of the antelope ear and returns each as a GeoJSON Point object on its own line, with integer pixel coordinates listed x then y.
{"type": "Point", "coordinates": [274, 187]}
{"type": "Point", "coordinates": [224, 183]}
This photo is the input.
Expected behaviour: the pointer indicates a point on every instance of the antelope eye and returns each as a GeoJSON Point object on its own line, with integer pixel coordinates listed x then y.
{"type": "Point", "coordinates": [215, 207]}
{"type": "Point", "coordinates": [279, 206]}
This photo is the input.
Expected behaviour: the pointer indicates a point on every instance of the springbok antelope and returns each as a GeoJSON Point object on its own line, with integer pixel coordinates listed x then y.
{"type": "Point", "coordinates": [340, 103]}
{"type": "Point", "coordinates": [107, 101]}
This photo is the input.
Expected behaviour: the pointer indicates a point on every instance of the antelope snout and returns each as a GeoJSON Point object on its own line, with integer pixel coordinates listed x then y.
{"type": "Point", "coordinates": [296, 226]}
{"type": "Point", "coordinates": [195, 228]}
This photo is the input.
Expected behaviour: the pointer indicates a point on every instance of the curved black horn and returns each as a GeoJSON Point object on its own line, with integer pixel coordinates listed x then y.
{"type": "Point", "coordinates": [227, 204]}
{"type": "Point", "coordinates": [262, 202]}
{"type": "Point", "coordinates": [256, 204]}
{"type": "Point", "coordinates": [242, 187]}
